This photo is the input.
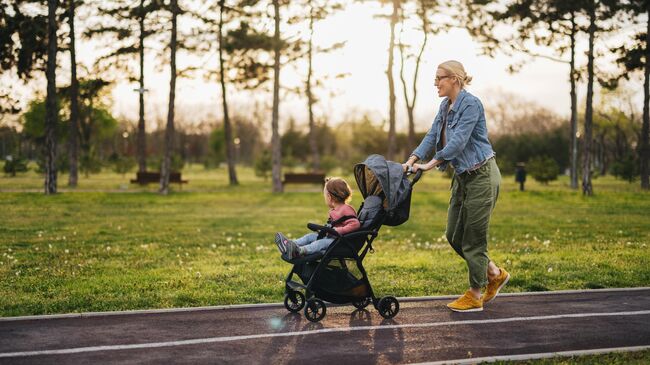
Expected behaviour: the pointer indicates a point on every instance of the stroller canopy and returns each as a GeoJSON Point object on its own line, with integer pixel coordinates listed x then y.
{"type": "Point", "coordinates": [378, 177]}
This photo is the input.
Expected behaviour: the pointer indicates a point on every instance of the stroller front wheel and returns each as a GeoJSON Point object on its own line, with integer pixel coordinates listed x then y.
{"type": "Point", "coordinates": [294, 301]}
{"type": "Point", "coordinates": [315, 310]}
{"type": "Point", "coordinates": [388, 307]}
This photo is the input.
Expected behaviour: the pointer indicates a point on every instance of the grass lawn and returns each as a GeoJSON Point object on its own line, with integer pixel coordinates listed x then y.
{"type": "Point", "coordinates": [625, 358]}
{"type": "Point", "coordinates": [112, 246]}
{"type": "Point", "coordinates": [108, 245]}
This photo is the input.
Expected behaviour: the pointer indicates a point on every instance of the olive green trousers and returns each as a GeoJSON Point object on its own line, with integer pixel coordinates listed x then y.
{"type": "Point", "coordinates": [473, 197]}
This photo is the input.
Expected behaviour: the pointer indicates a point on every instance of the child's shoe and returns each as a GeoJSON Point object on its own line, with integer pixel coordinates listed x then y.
{"type": "Point", "coordinates": [279, 241]}
{"type": "Point", "coordinates": [292, 250]}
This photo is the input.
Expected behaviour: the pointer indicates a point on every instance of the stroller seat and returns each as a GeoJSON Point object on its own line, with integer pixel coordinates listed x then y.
{"type": "Point", "coordinates": [370, 213]}
{"type": "Point", "coordinates": [337, 275]}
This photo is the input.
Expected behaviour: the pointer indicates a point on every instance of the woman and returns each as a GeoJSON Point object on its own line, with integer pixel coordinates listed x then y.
{"type": "Point", "coordinates": [459, 136]}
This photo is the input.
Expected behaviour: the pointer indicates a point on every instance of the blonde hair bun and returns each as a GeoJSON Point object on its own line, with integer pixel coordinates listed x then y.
{"type": "Point", "coordinates": [457, 71]}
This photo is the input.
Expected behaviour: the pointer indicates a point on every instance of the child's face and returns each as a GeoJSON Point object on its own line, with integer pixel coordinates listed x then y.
{"type": "Point", "coordinates": [328, 197]}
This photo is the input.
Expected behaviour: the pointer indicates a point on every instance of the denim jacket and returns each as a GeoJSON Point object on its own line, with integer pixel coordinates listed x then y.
{"type": "Point", "coordinates": [467, 135]}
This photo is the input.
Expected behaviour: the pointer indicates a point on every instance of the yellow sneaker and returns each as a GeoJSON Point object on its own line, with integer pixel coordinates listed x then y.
{"type": "Point", "coordinates": [495, 286]}
{"type": "Point", "coordinates": [466, 303]}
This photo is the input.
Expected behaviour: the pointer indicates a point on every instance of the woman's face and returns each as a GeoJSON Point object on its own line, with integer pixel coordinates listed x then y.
{"type": "Point", "coordinates": [444, 82]}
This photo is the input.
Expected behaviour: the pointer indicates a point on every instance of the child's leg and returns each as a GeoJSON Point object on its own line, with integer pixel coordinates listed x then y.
{"type": "Point", "coordinates": [306, 239]}
{"type": "Point", "coordinates": [316, 246]}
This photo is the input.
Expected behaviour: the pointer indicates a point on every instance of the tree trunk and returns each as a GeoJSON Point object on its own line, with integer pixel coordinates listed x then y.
{"type": "Point", "coordinates": [645, 130]}
{"type": "Point", "coordinates": [230, 148]}
{"type": "Point", "coordinates": [73, 137]}
{"type": "Point", "coordinates": [410, 104]}
{"type": "Point", "coordinates": [313, 141]}
{"type": "Point", "coordinates": [587, 189]}
{"type": "Point", "coordinates": [391, 83]}
{"type": "Point", "coordinates": [276, 157]}
{"type": "Point", "coordinates": [142, 136]}
{"type": "Point", "coordinates": [51, 113]}
{"type": "Point", "coordinates": [573, 153]}
{"type": "Point", "coordinates": [169, 131]}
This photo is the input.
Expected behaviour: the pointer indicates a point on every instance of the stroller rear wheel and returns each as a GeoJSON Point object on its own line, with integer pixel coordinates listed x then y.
{"type": "Point", "coordinates": [388, 307]}
{"type": "Point", "coordinates": [315, 310]}
{"type": "Point", "coordinates": [362, 303]}
{"type": "Point", "coordinates": [294, 301]}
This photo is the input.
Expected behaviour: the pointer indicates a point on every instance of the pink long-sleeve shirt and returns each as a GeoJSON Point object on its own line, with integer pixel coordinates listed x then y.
{"type": "Point", "coordinates": [347, 226]}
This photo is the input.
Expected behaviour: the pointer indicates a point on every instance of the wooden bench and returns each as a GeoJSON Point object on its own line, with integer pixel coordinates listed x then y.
{"type": "Point", "coordinates": [144, 178]}
{"type": "Point", "coordinates": [304, 178]}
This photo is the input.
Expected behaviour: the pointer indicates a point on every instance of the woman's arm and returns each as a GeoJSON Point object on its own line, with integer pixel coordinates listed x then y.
{"type": "Point", "coordinates": [427, 166]}
{"type": "Point", "coordinates": [428, 144]}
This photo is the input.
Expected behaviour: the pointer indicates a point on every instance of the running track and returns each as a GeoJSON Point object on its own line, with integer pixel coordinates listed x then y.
{"type": "Point", "coordinates": [513, 326]}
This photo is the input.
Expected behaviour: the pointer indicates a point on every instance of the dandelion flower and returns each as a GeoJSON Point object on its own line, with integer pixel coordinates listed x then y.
{"type": "Point", "coordinates": [550, 269]}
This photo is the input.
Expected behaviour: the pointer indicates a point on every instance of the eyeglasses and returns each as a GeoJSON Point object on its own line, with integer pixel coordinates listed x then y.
{"type": "Point", "coordinates": [438, 78]}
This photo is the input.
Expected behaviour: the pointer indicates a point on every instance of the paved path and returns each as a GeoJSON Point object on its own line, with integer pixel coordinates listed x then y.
{"type": "Point", "coordinates": [423, 331]}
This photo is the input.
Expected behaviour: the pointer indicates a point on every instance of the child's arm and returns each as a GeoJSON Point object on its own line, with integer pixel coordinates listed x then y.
{"type": "Point", "coordinates": [348, 226]}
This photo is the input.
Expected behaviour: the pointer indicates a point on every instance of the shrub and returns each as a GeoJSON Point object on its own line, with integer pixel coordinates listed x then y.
{"type": "Point", "coordinates": [543, 169]}
{"type": "Point", "coordinates": [626, 168]}
{"type": "Point", "coordinates": [121, 164]}
{"type": "Point", "coordinates": [263, 164]}
{"type": "Point", "coordinates": [14, 165]}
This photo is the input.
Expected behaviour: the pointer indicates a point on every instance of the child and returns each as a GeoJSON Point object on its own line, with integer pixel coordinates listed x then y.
{"type": "Point", "coordinates": [337, 194]}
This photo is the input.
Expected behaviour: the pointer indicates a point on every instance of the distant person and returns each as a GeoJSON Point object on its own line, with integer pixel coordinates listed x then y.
{"type": "Point", "coordinates": [520, 175]}
{"type": "Point", "coordinates": [342, 217]}
{"type": "Point", "coordinates": [459, 136]}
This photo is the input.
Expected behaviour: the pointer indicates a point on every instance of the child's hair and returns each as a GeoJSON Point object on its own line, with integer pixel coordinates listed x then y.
{"type": "Point", "coordinates": [338, 189]}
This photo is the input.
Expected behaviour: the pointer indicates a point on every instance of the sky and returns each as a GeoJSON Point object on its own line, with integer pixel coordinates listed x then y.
{"type": "Point", "coordinates": [365, 89]}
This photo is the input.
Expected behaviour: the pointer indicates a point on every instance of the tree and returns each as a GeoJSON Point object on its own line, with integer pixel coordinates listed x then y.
{"type": "Point", "coordinates": [73, 137]}
{"type": "Point", "coordinates": [546, 23]}
{"type": "Point", "coordinates": [276, 153]}
{"type": "Point", "coordinates": [423, 10]}
{"type": "Point", "coordinates": [634, 59]}
{"type": "Point", "coordinates": [169, 130]}
{"type": "Point", "coordinates": [240, 50]}
{"type": "Point", "coordinates": [318, 10]}
{"type": "Point", "coordinates": [230, 148]}
{"type": "Point", "coordinates": [391, 82]}
{"type": "Point", "coordinates": [596, 10]}
{"type": "Point", "coordinates": [125, 24]}
{"type": "Point", "coordinates": [50, 106]}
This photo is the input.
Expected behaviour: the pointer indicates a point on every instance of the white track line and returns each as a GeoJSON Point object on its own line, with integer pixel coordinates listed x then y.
{"type": "Point", "coordinates": [540, 355]}
{"type": "Point", "coordinates": [279, 305]}
{"type": "Point", "coordinates": [311, 332]}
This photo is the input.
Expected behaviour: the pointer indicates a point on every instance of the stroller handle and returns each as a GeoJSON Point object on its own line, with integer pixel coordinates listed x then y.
{"type": "Point", "coordinates": [417, 177]}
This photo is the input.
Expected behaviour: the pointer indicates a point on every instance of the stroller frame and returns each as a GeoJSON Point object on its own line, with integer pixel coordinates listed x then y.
{"type": "Point", "coordinates": [342, 248]}
{"type": "Point", "coordinates": [375, 177]}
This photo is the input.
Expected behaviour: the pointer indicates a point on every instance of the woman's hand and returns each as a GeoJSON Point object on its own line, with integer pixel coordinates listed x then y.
{"type": "Point", "coordinates": [406, 167]}
{"type": "Point", "coordinates": [425, 167]}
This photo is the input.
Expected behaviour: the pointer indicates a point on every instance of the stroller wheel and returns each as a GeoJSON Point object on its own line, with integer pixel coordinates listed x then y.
{"type": "Point", "coordinates": [315, 310]}
{"type": "Point", "coordinates": [294, 301]}
{"type": "Point", "coordinates": [360, 304]}
{"type": "Point", "coordinates": [388, 307]}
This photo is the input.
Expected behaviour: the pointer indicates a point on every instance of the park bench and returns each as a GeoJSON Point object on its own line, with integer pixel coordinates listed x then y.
{"type": "Point", "coordinates": [304, 178]}
{"type": "Point", "coordinates": [144, 178]}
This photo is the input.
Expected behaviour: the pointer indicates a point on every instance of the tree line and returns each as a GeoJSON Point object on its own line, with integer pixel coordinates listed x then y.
{"type": "Point", "coordinates": [254, 41]}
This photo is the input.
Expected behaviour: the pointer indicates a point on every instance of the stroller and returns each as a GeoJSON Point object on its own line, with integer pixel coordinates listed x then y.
{"type": "Point", "coordinates": [337, 275]}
